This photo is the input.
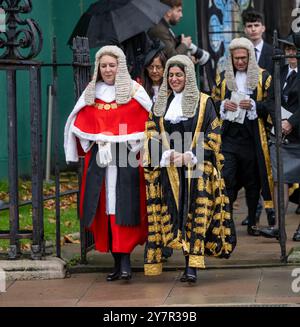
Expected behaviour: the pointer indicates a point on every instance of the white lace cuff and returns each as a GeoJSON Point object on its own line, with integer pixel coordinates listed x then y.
{"type": "Point", "coordinates": [222, 110]}
{"type": "Point", "coordinates": [165, 159]}
{"type": "Point", "coordinates": [194, 160]}
{"type": "Point", "coordinates": [252, 114]}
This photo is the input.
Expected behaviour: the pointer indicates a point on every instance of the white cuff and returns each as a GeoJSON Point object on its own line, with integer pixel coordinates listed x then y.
{"type": "Point", "coordinates": [252, 114]}
{"type": "Point", "coordinates": [165, 159]}
{"type": "Point", "coordinates": [222, 110]}
{"type": "Point", "coordinates": [194, 160]}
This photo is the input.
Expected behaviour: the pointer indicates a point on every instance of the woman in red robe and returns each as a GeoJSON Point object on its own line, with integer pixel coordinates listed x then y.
{"type": "Point", "coordinates": [107, 126]}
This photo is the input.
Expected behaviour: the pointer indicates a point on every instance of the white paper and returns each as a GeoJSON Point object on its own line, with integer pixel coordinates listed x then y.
{"type": "Point", "coordinates": [239, 115]}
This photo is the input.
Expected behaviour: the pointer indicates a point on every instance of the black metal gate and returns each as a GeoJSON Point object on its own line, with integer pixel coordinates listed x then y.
{"type": "Point", "coordinates": [12, 60]}
{"type": "Point", "coordinates": [82, 75]}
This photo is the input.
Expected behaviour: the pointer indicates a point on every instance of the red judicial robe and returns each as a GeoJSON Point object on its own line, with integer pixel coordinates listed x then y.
{"type": "Point", "coordinates": [113, 123]}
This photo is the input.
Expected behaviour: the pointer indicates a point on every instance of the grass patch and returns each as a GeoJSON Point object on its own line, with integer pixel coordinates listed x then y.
{"type": "Point", "coordinates": [68, 209]}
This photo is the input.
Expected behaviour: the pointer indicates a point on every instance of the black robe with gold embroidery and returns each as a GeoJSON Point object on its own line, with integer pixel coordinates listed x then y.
{"type": "Point", "coordinates": [259, 129]}
{"type": "Point", "coordinates": [187, 208]}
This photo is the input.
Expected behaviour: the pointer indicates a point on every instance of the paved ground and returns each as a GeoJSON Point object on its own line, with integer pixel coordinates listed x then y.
{"type": "Point", "coordinates": [253, 276]}
{"type": "Point", "coordinates": [254, 287]}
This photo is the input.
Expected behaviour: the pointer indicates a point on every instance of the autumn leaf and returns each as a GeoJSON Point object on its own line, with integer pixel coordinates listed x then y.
{"type": "Point", "coordinates": [26, 246]}
{"type": "Point", "coordinates": [68, 223]}
{"type": "Point", "coordinates": [69, 239]}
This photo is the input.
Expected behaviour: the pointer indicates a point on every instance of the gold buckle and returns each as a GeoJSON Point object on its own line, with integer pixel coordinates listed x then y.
{"type": "Point", "coordinates": [106, 106]}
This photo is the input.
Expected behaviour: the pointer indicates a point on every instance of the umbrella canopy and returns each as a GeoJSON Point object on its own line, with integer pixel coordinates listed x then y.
{"type": "Point", "coordinates": [114, 21]}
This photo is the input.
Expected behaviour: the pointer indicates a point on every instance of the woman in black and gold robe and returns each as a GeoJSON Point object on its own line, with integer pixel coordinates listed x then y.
{"type": "Point", "coordinates": [186, 204]}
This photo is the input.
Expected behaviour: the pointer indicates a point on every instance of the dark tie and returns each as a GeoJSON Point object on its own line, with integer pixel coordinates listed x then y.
{"type": "Point", "coordinates": [288, 83]}
{"type": "Point", "coordinates": [289, 79]}
{"type": "Point", "coordinates": [256, 54]}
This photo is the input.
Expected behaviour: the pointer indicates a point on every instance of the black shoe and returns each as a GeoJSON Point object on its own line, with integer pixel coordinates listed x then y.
{"type": "Point", "coordinates": [125, 267]}
{"type": "Point", "coordinates": [270, 232]}
{"type": "Point", "coordinates": [253, 231]}
{"type": "Point", "coordinates": [125, 275]}
{"type": "Point", "coordinates": [189, 275]}
{"type": "Point", "coordinates": [245, 222]}
{"type": "Point", "coordinates": [296, 236]}
{"type": "Point", "coordinates": [271, 217]}
{"type": "Point", "coordinates": [115, 275]}
{"type": "Point", "coordinates": [183, 277]}
{"type": "Point", "coordinates": [297, 212]}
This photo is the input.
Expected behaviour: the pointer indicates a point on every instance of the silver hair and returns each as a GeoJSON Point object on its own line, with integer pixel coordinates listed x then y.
{"type": "Point", "coordinates": [191, 93]}
{"type": "Point", "coordinates": [123, 82]}
{"type": "Point", "coordinates": [252, 70]}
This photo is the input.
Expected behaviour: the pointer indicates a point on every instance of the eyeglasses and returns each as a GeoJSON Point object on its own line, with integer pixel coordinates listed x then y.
{"type": "Point", "coordinates": [152, 68]}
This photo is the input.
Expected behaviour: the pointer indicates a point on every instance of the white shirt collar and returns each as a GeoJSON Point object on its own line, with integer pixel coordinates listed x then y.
{"type": "Point", "coordinates": [291, 69]}
{"type": "Point", "coordinates": [259, 46]}
{"type": "Point", "coordinates": [241, 82]}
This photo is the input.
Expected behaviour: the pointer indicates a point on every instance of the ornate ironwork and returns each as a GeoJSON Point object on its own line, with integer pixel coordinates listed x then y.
{"type": "Point", "coordinates": [21, 34]}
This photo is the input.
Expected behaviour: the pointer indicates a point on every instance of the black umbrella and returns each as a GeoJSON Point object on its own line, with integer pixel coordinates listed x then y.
{"type": "Point", "coordinates": [114, 21]}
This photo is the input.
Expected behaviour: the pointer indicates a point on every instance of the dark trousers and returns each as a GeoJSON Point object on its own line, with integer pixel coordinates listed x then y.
{"type": "Point", "coordinates": [241, 170]}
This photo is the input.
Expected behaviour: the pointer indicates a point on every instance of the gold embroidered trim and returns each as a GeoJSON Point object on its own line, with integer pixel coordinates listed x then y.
{"type": "Point", "coordinates": [268, 205]}
{"type": "Point", "coordinates": [204, 201]}
{"type": "Point", "coordinates": [196, 261]}
{"type": "Point", "coordinates": [223, 89]}
{"type": "Point", "coordinates": [293, 188]}
{"type": "Point", "coordinates": [152, 176]}
{"type": "Point", "coordinates": [219, 230]}
{"type": "Point", "coordinates": [153, 191]}
{"type": "Point", "coordinates": [260, 86]}
{"type": "Point", "coordinates": [172, 171]}
{"type": "Point", "coordinates": [203, 100]}
{"type": "Point", "coordinates": [153, 208]}
{"type": "Point", "coordinates": [153, 269]}
{"type": "Point", "coordinates": [155, 238]}
{"type": "Point", "coordinates": [265, 148]}
{"type": "Point", "coordinates": [216, 123]}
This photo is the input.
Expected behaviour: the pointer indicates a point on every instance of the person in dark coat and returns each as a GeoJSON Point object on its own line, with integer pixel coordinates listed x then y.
{"type": "Point", "coordinates": [176, 44]}
{"type": "Point", "coordinates": [254, 28]}
{"type": "Point", "coordinates": [162, 31]}
{"type": "Point", "coordinates": [290, 125]}
{"type": "Point", "coordinates": [239, 95]}
{"type": "Point", "coordinates": [153, 71]}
